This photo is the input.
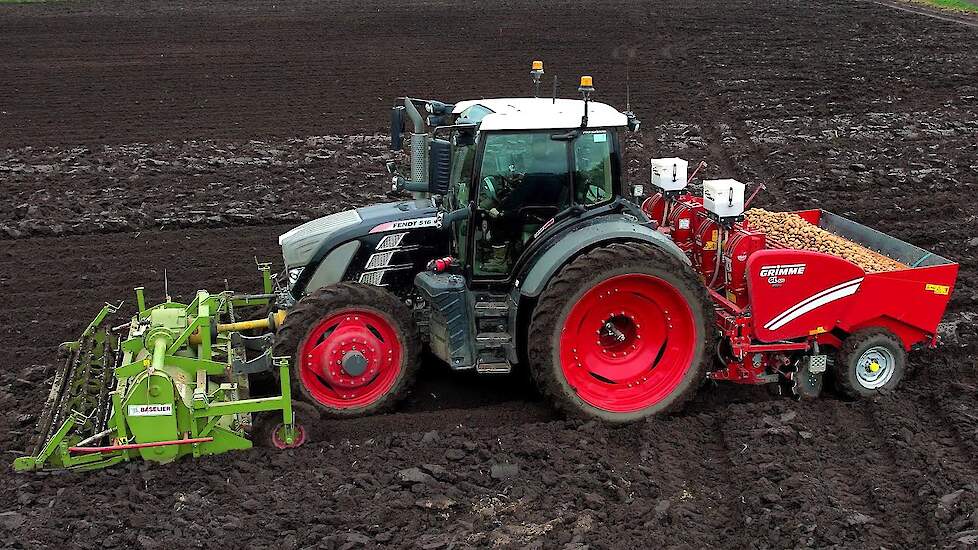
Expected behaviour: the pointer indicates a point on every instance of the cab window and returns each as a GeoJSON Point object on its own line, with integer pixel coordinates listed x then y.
{"type": "Point", "coordinates": [592, 168]}
{"type": "Point", "coordinates": [461, 183]}
{"type": "Point", "coordinates": [524, 181]}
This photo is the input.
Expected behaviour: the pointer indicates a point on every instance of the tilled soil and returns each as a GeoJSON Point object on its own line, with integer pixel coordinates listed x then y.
{"type": "Point", "coordinates": [186, 136]}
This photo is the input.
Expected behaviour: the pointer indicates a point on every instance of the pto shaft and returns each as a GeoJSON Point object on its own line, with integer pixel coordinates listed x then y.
{"type": "Point", "coordinates": [273, 321]}
{"type": "Point", "coordinates": [159, 351]}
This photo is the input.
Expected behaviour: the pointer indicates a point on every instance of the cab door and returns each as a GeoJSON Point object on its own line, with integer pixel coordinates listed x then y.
{"type": "Point", "coordinates": [523, 181]}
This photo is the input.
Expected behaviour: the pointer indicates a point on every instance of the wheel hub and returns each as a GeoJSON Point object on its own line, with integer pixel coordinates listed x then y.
{"type": "Point", "coordinates": [875, 367]}
{"type": "Point", "coordinates": [354, 363]}
{"type": "Point", "coordinates": [350, 359]}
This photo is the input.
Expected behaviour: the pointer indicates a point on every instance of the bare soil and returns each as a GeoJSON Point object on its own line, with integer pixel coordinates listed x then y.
{"type": "Point", "coordinates": [185, 136]}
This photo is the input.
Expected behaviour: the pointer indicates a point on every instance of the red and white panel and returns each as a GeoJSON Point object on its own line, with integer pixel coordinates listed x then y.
{"type": "Point", "coordinates": [795, 293]}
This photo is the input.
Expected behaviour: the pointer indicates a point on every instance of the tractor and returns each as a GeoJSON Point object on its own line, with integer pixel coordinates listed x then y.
{"type": "Point", "coordinates": [521, 248]}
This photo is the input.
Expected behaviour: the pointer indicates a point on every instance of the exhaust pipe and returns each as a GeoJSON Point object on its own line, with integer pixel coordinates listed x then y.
{"type": "Point", "coordinates": [419, 146]}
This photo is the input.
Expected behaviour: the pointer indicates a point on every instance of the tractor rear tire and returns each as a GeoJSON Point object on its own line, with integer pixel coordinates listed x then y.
{"type": "Point", "coordinates": [622, 332]}
{"type": "Point", "coordinates": [354, 349]}
{"type": "Point", "coordinates": [861, 352]}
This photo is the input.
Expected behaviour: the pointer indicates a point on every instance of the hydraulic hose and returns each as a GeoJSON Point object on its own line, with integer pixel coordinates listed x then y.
{"type": "Point", "coordinates": [719, 258]}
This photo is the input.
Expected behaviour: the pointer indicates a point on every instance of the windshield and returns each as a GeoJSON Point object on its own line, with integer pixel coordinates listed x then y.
{"type": "Point", "coordinates": [524, 180]}
{"type": "Point", "coordinates": [524, 169]}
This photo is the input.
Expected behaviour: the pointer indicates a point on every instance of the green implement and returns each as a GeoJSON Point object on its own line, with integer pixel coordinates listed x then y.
{"type": "Point", "coordinates": [179, 382]}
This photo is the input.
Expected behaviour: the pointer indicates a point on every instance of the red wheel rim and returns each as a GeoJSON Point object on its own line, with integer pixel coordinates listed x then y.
{"type": "Point", "coordinates": [628, 342]}
{"type": "Point", "coordinates": [279, 442]}
{"type": "Point", "coordinates": [350, 359]}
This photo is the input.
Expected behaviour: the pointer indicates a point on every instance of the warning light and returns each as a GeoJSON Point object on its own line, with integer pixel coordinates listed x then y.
{"type": "Point", "coordinates": [536, 71]}
{"type": "Point", "coordinates": [586, 87]}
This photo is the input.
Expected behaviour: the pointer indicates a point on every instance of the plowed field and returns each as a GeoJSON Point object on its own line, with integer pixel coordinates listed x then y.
{"type": "Point", "coordinates": [142, 136]}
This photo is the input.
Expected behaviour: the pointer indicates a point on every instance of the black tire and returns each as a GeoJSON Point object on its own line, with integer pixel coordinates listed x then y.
{"type": "Point", "coordinates": [308, 311]}
{"type": "Point", "coordinates": [569, 286]}
{"type": "Point", "coordinates": [849, 359]}
{"type": "Point", "coordinates": [267, 423]}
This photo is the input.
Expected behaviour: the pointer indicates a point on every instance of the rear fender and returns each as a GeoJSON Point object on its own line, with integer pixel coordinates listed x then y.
{"type": "Point", "coordinates": [583, 238]}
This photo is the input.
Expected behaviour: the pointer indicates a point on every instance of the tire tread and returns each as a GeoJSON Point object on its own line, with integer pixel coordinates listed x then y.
{"type": "Point", "coordinates": [546, 318]}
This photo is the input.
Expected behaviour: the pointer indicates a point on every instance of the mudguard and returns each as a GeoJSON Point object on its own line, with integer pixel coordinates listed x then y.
{"type": "Point", "coordinates": [599, 231]}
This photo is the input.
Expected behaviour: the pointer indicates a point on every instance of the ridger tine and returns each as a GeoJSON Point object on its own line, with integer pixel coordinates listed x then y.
{"type": "Point", "coordinates": [520, 249]}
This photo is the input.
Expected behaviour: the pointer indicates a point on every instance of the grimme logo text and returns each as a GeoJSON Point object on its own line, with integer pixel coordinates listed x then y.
{"type": "Point", "coordinates": [776, 273]}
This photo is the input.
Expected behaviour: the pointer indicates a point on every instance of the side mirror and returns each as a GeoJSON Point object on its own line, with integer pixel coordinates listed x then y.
{"type": "Point", "coordinates": [391, 167]}
{"type": "Point", "coordinates": [439, 167]}
{"type": "Point", "coordinates": [397, 128]}
{"type": "Point", "coordinates": [464, 138]}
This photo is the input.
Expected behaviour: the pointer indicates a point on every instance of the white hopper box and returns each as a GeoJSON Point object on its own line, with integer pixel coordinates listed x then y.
{"type": "Point", "coordinates": [669, 174]}
{"type": "Point", "coordinates": [724, 198]}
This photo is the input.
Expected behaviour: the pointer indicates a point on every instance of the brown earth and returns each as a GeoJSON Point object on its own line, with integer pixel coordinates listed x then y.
{"type": "Point", "coordinates": [187, 135]}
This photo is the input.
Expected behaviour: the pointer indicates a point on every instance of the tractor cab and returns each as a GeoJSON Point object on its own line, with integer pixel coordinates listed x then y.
{"type": "Point", "coordinates": [518, 164]}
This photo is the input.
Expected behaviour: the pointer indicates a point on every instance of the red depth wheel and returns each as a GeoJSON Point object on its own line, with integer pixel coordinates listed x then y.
{"type": "Point", "coordinates": [350, 359]}
{"type": "Point", "coordinates": [628, 342]}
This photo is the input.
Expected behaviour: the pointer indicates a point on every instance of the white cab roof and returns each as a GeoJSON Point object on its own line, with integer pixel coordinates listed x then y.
{"type": "Point", "coordinates": [532, 113]}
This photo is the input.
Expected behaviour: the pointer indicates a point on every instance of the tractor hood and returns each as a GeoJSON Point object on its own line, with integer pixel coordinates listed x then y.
{"type": "Point", "coordinates": [311, 240]}
{"type": "Point", "coordinates": [300, 244]}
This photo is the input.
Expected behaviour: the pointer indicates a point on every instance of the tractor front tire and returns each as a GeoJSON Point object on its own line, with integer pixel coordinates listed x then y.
{"type": "Point", "coordinates": [354, 349]}
{"type": "Point", "coordinates": [871, 361]}
{"type": "Point", "coordinates": [622, 332]}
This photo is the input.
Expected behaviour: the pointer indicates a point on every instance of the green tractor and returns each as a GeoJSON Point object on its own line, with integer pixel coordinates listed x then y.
{"type": "Point", "coordinates": [519, 248]}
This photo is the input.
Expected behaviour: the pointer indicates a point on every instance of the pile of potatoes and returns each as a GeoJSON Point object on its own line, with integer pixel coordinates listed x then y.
{"type": "Point", "coordinates": [791, 231]}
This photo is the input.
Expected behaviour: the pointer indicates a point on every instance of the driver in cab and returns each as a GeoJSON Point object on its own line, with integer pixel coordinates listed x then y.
{"type": "Point", "coordinates": [533, 186]}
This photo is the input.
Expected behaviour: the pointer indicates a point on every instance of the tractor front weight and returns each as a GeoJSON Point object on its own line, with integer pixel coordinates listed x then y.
{"type": "Point", "coordinates": [177, 384]}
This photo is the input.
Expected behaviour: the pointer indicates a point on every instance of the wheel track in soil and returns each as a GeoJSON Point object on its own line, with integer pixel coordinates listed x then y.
{"type": "Point", "coordinates": [933, 456]}
{"type": "Point", "coordinates": [834, 474]}
{"type": "Point", "coordinates": [696, 444]}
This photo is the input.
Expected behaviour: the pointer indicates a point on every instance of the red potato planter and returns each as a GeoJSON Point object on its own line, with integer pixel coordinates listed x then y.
{"type": "Point", "coordinates": [786, 310]}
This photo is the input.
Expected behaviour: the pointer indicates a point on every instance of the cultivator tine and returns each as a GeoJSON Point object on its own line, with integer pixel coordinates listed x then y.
{"type": "Point", "coordinates": [82, 383]}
